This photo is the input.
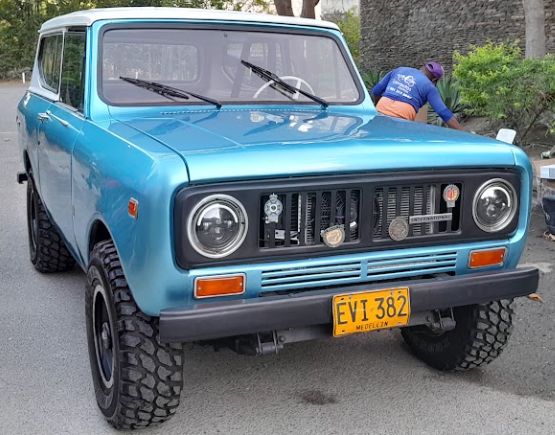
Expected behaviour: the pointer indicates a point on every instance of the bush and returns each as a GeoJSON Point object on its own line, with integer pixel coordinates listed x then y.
{"type": "Point", "coordinates": [497, 82]}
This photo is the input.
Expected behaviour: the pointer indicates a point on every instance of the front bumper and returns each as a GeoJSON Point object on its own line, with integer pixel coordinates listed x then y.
{"type": "Point", "coordinates": [246, 316]}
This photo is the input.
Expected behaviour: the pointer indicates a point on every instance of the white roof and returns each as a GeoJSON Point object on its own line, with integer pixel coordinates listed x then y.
{"type": "Point", "coordinates": [87, 17]}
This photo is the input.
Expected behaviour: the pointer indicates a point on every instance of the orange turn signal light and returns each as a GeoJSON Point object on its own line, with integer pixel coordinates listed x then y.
{"type": "Point", "coordinates": [133, 208]}
{"type": "Point", "coordinates": [212, 286]}
{"type": "Point", "coordinates": [487, 257]}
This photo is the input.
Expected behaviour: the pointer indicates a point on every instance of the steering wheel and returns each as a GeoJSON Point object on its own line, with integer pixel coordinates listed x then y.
{"type": "Point", "coordinates": [298, 84]}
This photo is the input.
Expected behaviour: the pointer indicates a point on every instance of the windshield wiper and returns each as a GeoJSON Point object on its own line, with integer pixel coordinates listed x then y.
{"type": "Point", "coordinates": [281, 86]}
{"type": "Point", "coordinates": [168, 91]}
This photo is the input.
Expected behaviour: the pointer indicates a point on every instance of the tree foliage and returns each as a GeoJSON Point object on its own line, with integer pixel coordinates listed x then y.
{"type": "Point", "coordinates": [21, 19]}
{"type": "Point", "coordinates": [349, 23]}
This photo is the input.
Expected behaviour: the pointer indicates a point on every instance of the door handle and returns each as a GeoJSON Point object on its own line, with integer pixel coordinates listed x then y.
{"type": "Point", "coordinates": [60, 120]}
{"type": "Point", "coordinates": [43, 116]}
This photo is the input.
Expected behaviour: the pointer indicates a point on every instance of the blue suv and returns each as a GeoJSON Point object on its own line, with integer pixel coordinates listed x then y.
{"type": "Point", "coordinates": [225, 176]}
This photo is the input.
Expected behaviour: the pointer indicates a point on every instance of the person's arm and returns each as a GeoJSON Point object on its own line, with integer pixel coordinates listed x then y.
{"type": "Point", "coordinates": [379, 88]}
{"type": "Point", "coordinates": [454, 123]}
{"type": "Point", "coordinates": [434, 98]}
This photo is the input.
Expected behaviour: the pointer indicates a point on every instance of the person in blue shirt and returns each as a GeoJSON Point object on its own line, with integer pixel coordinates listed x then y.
{"type": "Point", "coordinates": [403, 91]}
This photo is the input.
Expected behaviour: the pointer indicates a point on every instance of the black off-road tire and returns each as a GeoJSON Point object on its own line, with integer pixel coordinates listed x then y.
{"type": "Point", "coordinates": [480, 335]}
{"type": "Point", "coordinates": [47, 248]}
{"type": "Point", "coordinates": [146, 375]}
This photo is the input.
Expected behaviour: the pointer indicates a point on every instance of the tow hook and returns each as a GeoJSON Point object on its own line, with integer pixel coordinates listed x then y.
{"type": "Point", "coordinates": [258, 344]}
{"type": "Point", "coordinates": [443, 321]}
{"type": "Point", "coordinates": [22, 177]}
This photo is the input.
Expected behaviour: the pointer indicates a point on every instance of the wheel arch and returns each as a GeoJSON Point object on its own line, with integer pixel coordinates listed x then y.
{"type": "Point", "coordinates": [98, 232]}
{"type": "Point", "coordinates": [27, 163]}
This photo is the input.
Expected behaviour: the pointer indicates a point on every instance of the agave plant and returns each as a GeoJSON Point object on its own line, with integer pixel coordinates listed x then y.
{"type": "Point", "coordinates": [371, 78]}
{"type": "Point", "coordinates": [450, 93]}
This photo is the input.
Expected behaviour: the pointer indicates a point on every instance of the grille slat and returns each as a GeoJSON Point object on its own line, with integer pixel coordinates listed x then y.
{"type": "Point", "coordinates": [411, 207]}
{"type": "Point", "coordinates": [424, 265]}
{"type": "Point", "coordinates": [318, 220]}
{"type": "Point", "coordinates": [313, 277]}
{"type": "Point", "coordinates": [333, 207]}
{"type": "Point", "coordinates": [302, 229]}
{"type": "Point", "coordinates": [287, 235]}
{"type": "Point", "coordinates": [347, 220]}
{"type": "Point", "coordinates": [368, 268]}
{"type": "Point", "coordinates": [313, 270]}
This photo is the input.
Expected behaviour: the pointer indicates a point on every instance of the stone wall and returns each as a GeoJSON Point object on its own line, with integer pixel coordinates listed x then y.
{"type": "Point", "coordinates": [400, 32]}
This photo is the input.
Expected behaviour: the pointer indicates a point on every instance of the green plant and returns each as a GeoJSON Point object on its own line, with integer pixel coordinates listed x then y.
{"type": "Point", "coordinates": [371, 78]}
{"type": "Point", "coordinates": [497, 82]}
{"type": "Point", "coordinates": [449, 90]}
{"type": "Point", "coordinates": [349, 23]}
{"type": "Point", "coordinates": [20, 20]}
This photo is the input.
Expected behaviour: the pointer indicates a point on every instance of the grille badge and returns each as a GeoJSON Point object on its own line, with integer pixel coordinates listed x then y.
{"type": "Point", "coordinates": [429, 218]}
{"type": "Point", "coordinates": [450, 195]}
{"type": "Point", "coordinates": [398, 229]}
{"type": "Point", "coordinates": [333, 236]}
{"type": "Point", "coordinates": [273, 208]}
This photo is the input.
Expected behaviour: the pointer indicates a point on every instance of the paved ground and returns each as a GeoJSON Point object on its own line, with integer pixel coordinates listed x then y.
{"type": "Point", "coordinates": [358, 385]}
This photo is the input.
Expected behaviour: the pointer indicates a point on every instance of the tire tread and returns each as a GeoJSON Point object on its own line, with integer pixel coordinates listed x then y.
{"type": "Point", "coordinates": [151, 372]}
{"type": "Point", "coordinates": [480, 336]}
{"type": "Point", "coordinates": [52, 254]}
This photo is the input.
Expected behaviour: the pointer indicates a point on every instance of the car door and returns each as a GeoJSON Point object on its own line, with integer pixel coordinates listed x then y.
{"type": "Point", "coordinates": [61, 124]}
{"type": "Point", "coordinates": [35, 103]}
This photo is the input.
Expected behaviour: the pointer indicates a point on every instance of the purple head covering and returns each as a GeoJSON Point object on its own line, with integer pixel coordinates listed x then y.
{"type": "Point", "coordinates": [435, 69]}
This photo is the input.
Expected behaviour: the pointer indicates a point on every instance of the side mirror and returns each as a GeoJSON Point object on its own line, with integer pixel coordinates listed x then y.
{"type": "Point", "coordinates": [506, 135]}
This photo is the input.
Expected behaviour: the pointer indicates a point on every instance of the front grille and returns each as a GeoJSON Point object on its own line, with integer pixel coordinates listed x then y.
{"type": "Point", "coordinates": [306, 214]}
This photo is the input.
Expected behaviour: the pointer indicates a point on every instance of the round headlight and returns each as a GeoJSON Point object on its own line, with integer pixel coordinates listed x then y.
{"type": "Point", "coordinates": [495, 205]}
{"type": "Point", "coordinates": [217, 226]}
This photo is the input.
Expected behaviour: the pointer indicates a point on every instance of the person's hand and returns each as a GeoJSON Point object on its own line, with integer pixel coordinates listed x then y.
{"type": "Point", "coordinates": [453, 123]}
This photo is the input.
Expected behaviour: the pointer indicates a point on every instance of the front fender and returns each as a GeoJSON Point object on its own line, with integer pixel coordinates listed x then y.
{"type": "Point", "coordinates": [107, 172]}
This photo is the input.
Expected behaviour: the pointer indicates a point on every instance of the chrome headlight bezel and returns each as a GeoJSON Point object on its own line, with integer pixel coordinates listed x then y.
{"type": "Point", "coordinates": [233, 205]}
{"type": "Point", "coordinates": [511, 193]}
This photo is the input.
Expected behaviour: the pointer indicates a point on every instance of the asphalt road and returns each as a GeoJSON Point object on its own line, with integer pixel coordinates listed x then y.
{"type": "Point", "coordinates": [358, 385]}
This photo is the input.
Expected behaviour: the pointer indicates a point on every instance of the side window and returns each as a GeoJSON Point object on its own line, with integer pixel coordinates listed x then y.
{"type": "Point", "coordinates": [73, 70]}
{"type": "Point", "coordinates": [50, 56]}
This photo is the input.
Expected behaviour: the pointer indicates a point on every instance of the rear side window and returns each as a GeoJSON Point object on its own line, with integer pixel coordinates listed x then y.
{"type": "Point", "coordinates": [73, 70]}
{"type": "Point", "coordinates": [50, 57]}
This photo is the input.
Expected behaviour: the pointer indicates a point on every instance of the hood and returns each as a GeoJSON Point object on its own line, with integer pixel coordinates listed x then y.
{"type": "Point", "coordinates": [246, 144]}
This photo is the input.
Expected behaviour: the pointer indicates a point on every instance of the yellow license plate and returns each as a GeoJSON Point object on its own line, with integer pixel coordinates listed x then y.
{"type": "Point", "coordinates": [370, 311]}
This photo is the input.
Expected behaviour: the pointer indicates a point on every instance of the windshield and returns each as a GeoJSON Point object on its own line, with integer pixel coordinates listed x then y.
{"type": "Point", "coordinates": [209, 63]}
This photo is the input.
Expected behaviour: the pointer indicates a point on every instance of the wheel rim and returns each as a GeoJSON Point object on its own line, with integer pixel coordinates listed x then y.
{"type": "Point", "coordinates": [103, 337]}
{"type": "Point", "coordinates": [33, 222]}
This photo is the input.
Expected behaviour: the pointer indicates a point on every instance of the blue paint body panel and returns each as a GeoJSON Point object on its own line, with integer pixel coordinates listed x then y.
{"type": "Point", "coordinates": [89, 171]}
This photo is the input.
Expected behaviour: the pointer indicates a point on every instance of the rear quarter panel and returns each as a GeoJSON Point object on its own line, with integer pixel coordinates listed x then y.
{"type": "Point", "coordinates": [28, 124]}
